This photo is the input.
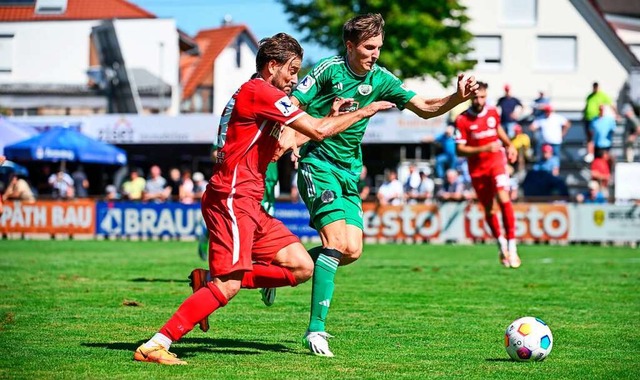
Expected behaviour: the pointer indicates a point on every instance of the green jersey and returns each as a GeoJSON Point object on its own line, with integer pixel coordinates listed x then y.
{"type": "Point", "coordinates": [331, 78]}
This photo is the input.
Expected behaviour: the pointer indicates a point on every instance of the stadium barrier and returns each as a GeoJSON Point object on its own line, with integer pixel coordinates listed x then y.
{"type": "Point", "coordinates": [449, 222]}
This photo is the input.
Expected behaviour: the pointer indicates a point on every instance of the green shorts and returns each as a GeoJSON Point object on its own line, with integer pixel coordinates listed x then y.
{"type": "Point", "coordinates": [330, 193]}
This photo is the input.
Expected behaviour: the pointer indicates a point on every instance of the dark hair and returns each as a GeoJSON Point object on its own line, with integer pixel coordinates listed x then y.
{"type": "Point", "coordinates": [280, 48]}
{"type": "Point", "coordinates": [482, 85]}
{"type": "Point", "coordinates": [363, 27]}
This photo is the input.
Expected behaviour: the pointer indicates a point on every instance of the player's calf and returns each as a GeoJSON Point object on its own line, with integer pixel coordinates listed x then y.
{"type": "Point", "coordinates": [198, 279]}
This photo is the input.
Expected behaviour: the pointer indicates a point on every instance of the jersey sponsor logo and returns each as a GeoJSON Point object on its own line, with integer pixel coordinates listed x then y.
{"type": "Point", "coordinates": [365, 89]}
{"type": "Point", "coordinates": [491, 122]}
{"type": "Point", "coordinates": [275, 131]}
{"type": "Point", "coordinates": [305, 84]}
{"type": "Point", "coordinates": [484, 134]}
{"type": "Point", "coordinates": [285, 106]}
{"type": "Point", "coordinates": [473, 127]}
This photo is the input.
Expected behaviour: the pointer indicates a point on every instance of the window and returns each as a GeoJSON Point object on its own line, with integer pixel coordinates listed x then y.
{"type": "Point", "coordinates": [6, 53]}
{"type": "Point", "coordinates": [50, 7]}
{"type": "Point", "coordinates": [556, 53]}
{"type": "Point", "coordinates": [487, 52]}
{"type": "Point", "coordinates": [519, 12]}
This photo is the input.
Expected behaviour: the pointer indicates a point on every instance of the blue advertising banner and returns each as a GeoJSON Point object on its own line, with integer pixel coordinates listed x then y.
{"type": "Point", "coordinates": [148, 219]}
{"type": "Point", "coordinates": [296, 217]}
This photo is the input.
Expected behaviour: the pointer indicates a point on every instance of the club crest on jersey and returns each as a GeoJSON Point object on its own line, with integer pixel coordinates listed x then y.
{"type": "Point", "coordinates": [285, 106]}
{"type": "Point", "coordinates": [491, 122]}
{"type": "Point", "coordinates": [365, 89]}
{"type": "Point", "coordinates": [327, 196]}
{"type": "Point", "coordinates": [305, 84]}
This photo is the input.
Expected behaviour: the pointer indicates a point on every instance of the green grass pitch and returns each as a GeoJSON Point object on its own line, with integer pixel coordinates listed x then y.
{"type": "Point", "coordinates": [402, 311]}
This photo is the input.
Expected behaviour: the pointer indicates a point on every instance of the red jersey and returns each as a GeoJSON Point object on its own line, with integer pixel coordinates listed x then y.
{"type": "Point", "coordinates": [476, 130]}
{"type": "Point", "coordinates": [252, 136]}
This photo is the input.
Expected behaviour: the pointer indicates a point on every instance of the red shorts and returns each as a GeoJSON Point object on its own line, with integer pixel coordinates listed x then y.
{"type": "Point", "coordinates": [240, 233]}
{"type": "Point", "coordinates": [487, 184]}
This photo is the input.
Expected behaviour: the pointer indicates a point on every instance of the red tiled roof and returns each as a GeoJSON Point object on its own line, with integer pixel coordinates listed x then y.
{"type": "Point", "coordinates": [77, 10]}
{"type": "Point", "coordinates": [211, 42]}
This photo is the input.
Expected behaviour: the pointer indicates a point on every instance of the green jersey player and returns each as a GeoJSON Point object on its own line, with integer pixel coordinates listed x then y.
{"type": "Point", "coordinates": [329, 170]}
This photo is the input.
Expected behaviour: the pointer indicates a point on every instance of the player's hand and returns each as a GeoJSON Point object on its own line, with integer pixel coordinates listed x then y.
{"type": "Point", "coordinates": [375, 107]}
{"type": "Point", "coordinates": [286, 142]}
{"type": "Point", "coordinates": [340, 106]}
{"type": "Point", "coordinates": [512, 154]}
{"type": "Point", "coordinates": [493, 147]}
{"type": "Point", "coordinates": [466, 87]}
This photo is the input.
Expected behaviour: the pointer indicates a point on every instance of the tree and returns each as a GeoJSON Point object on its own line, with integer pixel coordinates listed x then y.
{"type": "Point", "coordinates": [422, 37]}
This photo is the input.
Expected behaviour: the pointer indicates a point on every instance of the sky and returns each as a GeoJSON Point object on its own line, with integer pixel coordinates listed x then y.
{"type": "Point", "coordinates": [263, 17]}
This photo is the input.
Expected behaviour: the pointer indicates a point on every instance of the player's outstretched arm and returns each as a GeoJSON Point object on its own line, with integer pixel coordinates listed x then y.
{"type": "Point", "coordinates": [427, 108]}
{"type": "Point", "coordinates": [320, 129]}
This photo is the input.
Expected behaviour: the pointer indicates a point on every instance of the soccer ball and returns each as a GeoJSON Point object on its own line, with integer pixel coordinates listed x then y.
{"type": "Point", "coordinates": [528, 339]}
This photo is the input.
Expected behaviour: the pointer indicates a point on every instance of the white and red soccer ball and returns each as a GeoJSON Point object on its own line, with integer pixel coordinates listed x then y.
{"type": "Point", "coordinates": [528, 339]}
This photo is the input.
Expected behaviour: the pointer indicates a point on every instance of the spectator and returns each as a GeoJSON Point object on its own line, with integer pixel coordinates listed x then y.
{"type": "Point", "coordinates": [186, 193]}
{"type": "Point", "coordinates": [364, 183]}
{"type": "Point", "coordinates": [61, 184]}
{"type": "Point", "coordinates": [549, 163]}
{"type": "Point", "coordinates": [80, 182]}
{"type": "Point", "coordinates": [390, 192]}
{"type": "Point", "coordinates": [462, 167]}
{"type": "Point", "coordinates": [18, 190]}
{"type": "Point", "coordinates": [553, 127]}
{"type": "Point", "coordinates": [601, 169]}
{"type": "Point", "coordinates": [602, 128]}
{"type": "Point", "coordinates": [452, 189]}
{"type": "Point", "coordinates": [632, 129]}
{"type": "Point", "coordinates": [133, 188]}
{"type": "Point", "coordinates": [173, 184]}
{"type": "Point", "coordinates": [199, 185]}
{"type": "Point", "coordinates": [539, 104]}
{"type": "Point", "coordinates": [595, 99]}
{"type": "Point", "coordinates": [111, 193]}
{"type": "Point", "coordinates": [413, 180]}
{"type": "Point", "coordinates": [593, 195]}
{"type": "Point", "coordinates": [522, 144]}
{"type": "Point", "coordinates": [156, 188]}
{"type": "Point", "coordinates": [510, 108]}
{"type": "Point", "coordinates": [447, 158]}
{"type": "Point", "coordinates": [424, 191]}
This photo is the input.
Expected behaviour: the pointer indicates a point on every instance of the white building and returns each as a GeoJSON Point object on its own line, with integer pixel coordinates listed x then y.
{"type": "Point", "coordinates": [559, 47]}
{"type": "Point", "coordinates": [227, 59]}
{"type": "Point", "coordinates": [46, 50]}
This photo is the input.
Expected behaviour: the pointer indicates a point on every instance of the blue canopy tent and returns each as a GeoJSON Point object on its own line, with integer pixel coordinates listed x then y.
{"type": "Point", "coordinates": [64, 144]}
{"type": "Point", "coordinates": [11, 133]}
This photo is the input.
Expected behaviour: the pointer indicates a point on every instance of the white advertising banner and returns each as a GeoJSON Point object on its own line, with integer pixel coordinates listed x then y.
{"type": "Point", "coordinates": [402, 127]}
{"type": "Point", "coordinates": [606, 223]}
{"type": "Point", "coordinates": [134, 129]}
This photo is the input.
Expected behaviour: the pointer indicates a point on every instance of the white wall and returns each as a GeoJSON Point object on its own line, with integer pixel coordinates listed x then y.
{"type": "Point", "coordinates": [228, 76]}
{"type": "Point", "coordinates": [57, 52]}
{"type": "Point", "coordinates": [140, 44]}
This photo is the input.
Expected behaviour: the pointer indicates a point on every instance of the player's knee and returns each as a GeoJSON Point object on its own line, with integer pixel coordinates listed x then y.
{"type": "Point", "coordinates": [304, 269]}
{"type": "Point", "coordinates": [351, 254]}
{"type": "Point", "coordinates": [337, 242]}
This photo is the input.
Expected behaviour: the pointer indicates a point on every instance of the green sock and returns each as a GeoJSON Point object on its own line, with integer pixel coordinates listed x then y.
{"type": "Point", "coordinates": [322, 288]}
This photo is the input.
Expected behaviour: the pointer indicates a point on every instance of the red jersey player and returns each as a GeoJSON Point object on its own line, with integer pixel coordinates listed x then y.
{"type": "Point", "coordinates": [480, 137]}
{"type": "Point", "coordinates": [248, 247]}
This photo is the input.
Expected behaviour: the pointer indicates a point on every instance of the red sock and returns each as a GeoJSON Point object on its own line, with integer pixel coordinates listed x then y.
{"type": "Point", "coordinates": [508, 219]}
{"type": "Point", "coordinates": [494, 224]}
{"type": "Point", "coordinates": [199, 305]}
{"type": "Point", "coordinates": [268, 276]}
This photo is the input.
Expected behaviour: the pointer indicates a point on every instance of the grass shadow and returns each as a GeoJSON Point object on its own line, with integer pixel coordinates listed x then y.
{"type": "Point", "coordinates": [498, 360]}
{"type": "Point", "coordinates": [187, 347]}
